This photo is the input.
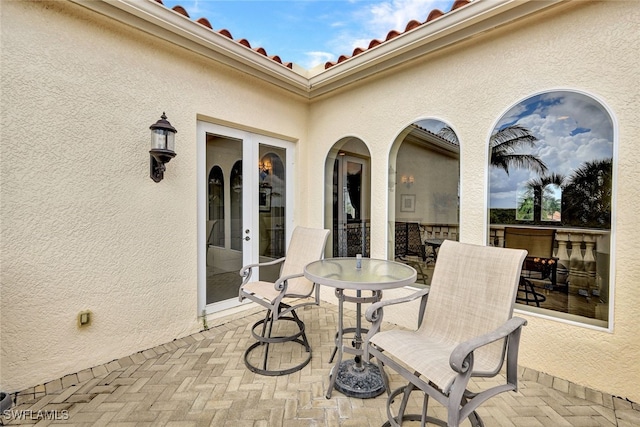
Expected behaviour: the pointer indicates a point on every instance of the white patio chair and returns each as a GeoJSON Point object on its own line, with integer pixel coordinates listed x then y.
{"type": "Point", "coordinates": [465, 327]}
{"type": "Point", "coordinates": [307, 245]}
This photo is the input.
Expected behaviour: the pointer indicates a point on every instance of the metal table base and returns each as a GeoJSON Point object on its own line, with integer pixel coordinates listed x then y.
{"type": "Point", "coordinates": [355, 377]}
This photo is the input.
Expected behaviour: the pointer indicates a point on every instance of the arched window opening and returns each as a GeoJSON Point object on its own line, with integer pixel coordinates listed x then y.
{"type": "Point", "coordinates": [424, 182]}
{"type": "Point", "coordinates": [550, 181]}
{"type": "Point", "coordinates": [348, 198]}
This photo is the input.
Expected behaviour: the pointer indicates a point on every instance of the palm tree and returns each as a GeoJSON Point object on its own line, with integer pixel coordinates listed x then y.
{"type": "Point", "coordinates": [538, 192]}
{"type": "Point", "coordinates": [586, 200]}
{"type": "Point", "coordinates": [503, 148]}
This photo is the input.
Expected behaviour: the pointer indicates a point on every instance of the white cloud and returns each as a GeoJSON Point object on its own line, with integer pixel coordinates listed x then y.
{"type": "Point", "coordinates": [192, 7]}
{"type": "Point", "coordinates": [316, 58]}
{"type": "Point", "coordinates": [395, 14]}
{"type": "Point", "coordinates": [376, 19]}
{"type": "Point", "coordinates": [571, 130]}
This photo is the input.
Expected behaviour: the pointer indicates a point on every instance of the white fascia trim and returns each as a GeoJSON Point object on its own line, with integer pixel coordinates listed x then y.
{"type": "Point", "coordinates": [474, 18]}
{"type": "Point", "coordinates": [164, 23]}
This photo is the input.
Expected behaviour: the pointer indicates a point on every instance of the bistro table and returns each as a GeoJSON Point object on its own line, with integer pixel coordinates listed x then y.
{"type": "Point", "coordinates": [357, 378]}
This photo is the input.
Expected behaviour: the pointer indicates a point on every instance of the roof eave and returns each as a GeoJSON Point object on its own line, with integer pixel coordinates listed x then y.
{"type": "Point", "coordinates": [159, 21]}
{"type": "Point", "coordinates": [454, 26]}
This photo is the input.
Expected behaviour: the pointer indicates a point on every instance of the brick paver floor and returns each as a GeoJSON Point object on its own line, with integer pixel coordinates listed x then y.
{"type": "Point", "coordinates": [201, 380]}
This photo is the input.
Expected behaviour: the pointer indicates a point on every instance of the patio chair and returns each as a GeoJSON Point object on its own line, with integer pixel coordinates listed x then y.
{"type": "Point", "coordinates": [307, 245]}
{"type": "Point", "coordinates": [410, 249]}
{"type": "Point", "coordinates": [539, 266]}
{"type": "Point", "coordinates": [465, 327]}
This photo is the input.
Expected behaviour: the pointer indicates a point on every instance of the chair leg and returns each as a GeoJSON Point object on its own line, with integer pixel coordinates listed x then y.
{"type": "Point", "coordinates": [265, 338]}
{"type": "Point", "coordinates": [269, 322]}
{"type": "Point", "coordinates": [475, 420]}
{"type": "Point", "coordinates": [400, 417]}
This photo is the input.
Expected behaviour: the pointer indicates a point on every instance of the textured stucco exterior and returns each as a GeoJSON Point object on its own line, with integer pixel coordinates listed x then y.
{"type": "Point", "coordinates": [470, 87]}
{"type": "Point", "coordinates": [83, 227]}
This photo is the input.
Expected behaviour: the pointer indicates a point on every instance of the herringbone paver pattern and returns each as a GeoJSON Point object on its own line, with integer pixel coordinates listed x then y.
{"type": "Point", "coordinates": [201, 380]}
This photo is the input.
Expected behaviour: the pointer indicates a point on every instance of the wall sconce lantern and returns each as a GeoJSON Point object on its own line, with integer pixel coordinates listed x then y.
{"type": "Point", "coordinates": [408, 180]}
{"type": "Point", "coordinates": [163, 144]}
{"type": "Point", "coordinates": [265, 166]}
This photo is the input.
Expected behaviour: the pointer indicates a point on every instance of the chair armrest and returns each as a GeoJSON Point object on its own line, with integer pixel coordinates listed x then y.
{"type": "Point", "coordinates": [281, 283]}
{"type": "Point", "coordinates": [246, 270]}
{"type": "Point", "coordinates": [459, 359]}
{"type": "Point", "coordinates": [373, 313]}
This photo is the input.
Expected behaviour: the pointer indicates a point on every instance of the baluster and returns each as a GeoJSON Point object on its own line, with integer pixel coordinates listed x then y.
{"type": "Point", "coordinates": [577, 275]}
{"type": "Point", "coordinates": [590, 261]}
{"type": "Point", "coordinates": [563, 258]}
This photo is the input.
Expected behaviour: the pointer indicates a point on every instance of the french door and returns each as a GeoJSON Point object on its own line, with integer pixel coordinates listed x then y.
{"type": "Point", "coordinates": [351, 206]}
{"type": "Point", "coordinates": [244, 211]}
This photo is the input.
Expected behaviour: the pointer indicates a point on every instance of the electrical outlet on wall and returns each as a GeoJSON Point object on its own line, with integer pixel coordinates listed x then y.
{"type": "Point", "coordinates": [84, 318]}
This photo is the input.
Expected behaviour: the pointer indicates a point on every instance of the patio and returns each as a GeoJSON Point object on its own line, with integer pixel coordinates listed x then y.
{"type": "Point", "coordinates": [201, 380]}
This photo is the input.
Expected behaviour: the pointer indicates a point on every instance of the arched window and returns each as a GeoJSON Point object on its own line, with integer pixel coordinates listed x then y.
{"type": "Point", "coordinates": [424, 183]}
{"type": "Point", "coordinates": [550, 181]}
{"type": "Point", "coordinates": [348, 198]}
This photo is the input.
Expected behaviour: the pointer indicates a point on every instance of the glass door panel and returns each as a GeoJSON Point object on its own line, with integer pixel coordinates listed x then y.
{"type": "Point", "coordinates": [224, 256]}
{"type": "Point", "coordinates": [350, 211]}
{"type": "Point", "coordinates": [272, 190]}
{"type": "Point", "coordinates": [243, 210]}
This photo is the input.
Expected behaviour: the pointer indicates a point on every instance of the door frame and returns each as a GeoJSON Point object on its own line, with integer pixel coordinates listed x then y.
{"type": "Point", "coordinates": [251, 142]}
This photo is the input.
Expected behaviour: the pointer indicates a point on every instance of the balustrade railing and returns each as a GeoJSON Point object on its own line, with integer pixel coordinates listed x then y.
{"type": "Point", "coordinates": [351, 238]}
{"type": "Point", "coordinates": [440, 231]}
{"type": "Point", "coordinates": [582, 254]}
{"type": "Point", "coordinates": [583, 259]}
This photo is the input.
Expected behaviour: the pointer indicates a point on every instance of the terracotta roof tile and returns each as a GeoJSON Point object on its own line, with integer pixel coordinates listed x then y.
{"type": "Point", "coordinates": [226, 33]}
{"type": "Point", "coordinates": [434, 14]}
{"type": "Point", "coordinates": [413, 24]}
{"type": "Point", "coordinates": [205, 22]}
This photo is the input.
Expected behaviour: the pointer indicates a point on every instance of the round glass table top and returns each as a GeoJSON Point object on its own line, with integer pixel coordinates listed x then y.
{"type": "Point", "coordinates": [374, 274]}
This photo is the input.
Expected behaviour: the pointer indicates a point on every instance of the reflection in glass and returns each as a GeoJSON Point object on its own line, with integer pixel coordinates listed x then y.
{"type": "Point", "coordinates": [558, 175]}
{"type": "Point", "coordinates": [223, 263]}
{"type": "Point", "coordinates": [272, 207]}
{"type": "Point", "coordinates": [525, 205]}
{"type": "Point", "coordinates": [551, 203]}
{"type": "Point", "coordinates": [236, 206]}
{"type": "Point", "coordinates": [348, 198]}
{"type": "Point", "coordinates": [216, 207]}
{"type": "Point", "coordinates": [424, 181]}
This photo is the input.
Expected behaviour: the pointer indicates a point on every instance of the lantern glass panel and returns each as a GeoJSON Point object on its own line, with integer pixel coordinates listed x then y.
{"type": "Point", "coordinates": [158, 139]}
{"type": "Point", "coordinates": [171, 140]}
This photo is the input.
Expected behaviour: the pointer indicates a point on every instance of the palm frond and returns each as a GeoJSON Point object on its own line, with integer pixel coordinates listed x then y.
{"type": "Point", "coordinates": [528, 161]}
{"type": "Point", "coordinates": [448, 134]}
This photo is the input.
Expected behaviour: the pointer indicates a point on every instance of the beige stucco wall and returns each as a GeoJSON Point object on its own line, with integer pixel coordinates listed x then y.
{"type": "Point", "coordinates": [435, 185]}
{"type": "Point", "coordinates": [83, 226]}
{"type": "Point", "coordinates": [470, 87]}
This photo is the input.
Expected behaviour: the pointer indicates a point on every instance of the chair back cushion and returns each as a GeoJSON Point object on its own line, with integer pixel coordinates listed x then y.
{"type": "Point", "coordinates": [306, 245]}
{"type": "Point", "coordinates": [538, 242]}
{"type": "Point", "coordinates": [473, 291]}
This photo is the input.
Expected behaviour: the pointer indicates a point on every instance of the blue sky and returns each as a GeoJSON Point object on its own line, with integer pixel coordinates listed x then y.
{"type": "Point", "coordinates": [310, 32]}
{"type": "Point", "coordinates": [571, 129]}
